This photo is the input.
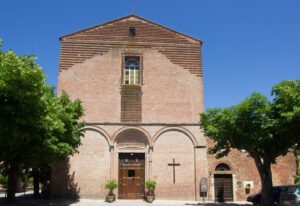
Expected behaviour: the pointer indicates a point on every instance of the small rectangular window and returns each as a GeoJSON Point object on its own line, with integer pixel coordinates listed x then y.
{"type": "Point", "coordinates": [132, 31]}
{"type": "Point", "coordinates": [132, 70]}
{"type": "Point", "coordinates": [131, 173]}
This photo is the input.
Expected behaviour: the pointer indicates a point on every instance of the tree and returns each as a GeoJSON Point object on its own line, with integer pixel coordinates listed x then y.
{"type": "Point", "coordinates": [60, 135]}
{"type": "Point", "coordinates": [36, 127]}
{"type": "Point", "coordinates": [21, 89]}
{"type": "Point", "coordinates": [265, 129]}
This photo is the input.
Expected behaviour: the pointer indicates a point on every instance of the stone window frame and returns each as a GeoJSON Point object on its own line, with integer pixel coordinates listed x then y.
{"type": "Point", "coordinates": [140, 56]}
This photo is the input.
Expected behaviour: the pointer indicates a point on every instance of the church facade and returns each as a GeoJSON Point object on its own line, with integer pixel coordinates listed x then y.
{"type": "Point", "coordinates": [141, 87]}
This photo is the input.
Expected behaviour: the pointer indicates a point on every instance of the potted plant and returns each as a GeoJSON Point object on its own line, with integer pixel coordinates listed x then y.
{"type": "Point", "coordinates": [111, 185]}
{"type": "Point", "coordinates": [150, 185]}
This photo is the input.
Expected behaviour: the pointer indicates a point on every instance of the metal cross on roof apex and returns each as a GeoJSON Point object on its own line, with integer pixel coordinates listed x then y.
{"type": "Point", "coordinates": [133, 8]}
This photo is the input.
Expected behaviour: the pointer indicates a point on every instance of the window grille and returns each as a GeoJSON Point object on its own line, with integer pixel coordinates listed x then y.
{"type": "Point", "coordinates": [132, 70]}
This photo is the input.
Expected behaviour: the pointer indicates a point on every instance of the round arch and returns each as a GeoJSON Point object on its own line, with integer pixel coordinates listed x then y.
{"type": "Point", "coordinates": [122, 131]}
{"type": "Point", "coordinates": [223, 166]}
{"type": "Point", "coordinates": [100, 131]}
{"type": "Point", "coordinates": [178, 129]}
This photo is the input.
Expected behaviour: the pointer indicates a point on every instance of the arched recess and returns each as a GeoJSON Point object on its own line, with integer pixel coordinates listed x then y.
{"type": "Point", "coordinates": [132, 135]}
{"type": "Point", "coordinates": [89, 169]}
{"type": "Point", "coordinates": [178, 129]}
{"type": "Point", "coordinates": [132, 157]}
{"type": "Point", "coordinates": [99, 130]}
{"type": "Point", "coordinates": [174, 145]}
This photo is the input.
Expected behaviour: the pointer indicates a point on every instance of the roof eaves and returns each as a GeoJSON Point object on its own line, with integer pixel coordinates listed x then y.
{"type": "Point", "coordinates": [128, 16]}
{"type": "Point", "coordinates": [98, 25]}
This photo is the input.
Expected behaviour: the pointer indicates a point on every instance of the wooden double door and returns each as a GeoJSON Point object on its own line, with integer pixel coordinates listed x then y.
{"type": "Point", "coordinates": [223, 187]}
{"type": "Point", "coordinates": [131, 175]}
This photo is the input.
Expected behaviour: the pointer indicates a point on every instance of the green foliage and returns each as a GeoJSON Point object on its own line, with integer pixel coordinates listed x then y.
{"type": "Point", "coordinates": [257, 125]}
{"type": "Point", "coordinates": [3, 180]}
{"type": "Point", "coordinates": [61, 130]}
{"type": "Point", "coordinates": [287, 109]}
{"type": "Point", "coordinates": [36, 127]}
{"type": "Point", "coordinates": [297, 179]}
{"type": "Point", "coordinates": [111, 185]}
{"type": "Point", "coordinates": [33, 121]}
{"type": "Point", "coordinates": [21, 91]}
{"type": "Point", "coordinates": [150, 184]}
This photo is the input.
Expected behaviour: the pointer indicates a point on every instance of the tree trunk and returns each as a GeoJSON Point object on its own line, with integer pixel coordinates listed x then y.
{"type": "Point", "coordinates": [265, 173]}
{"type": "Point", "coordinates": [267, 191]}
{"type": "Point", "coordinates": [36, 183]}
{"type": "Point", "coordinates": [12, 182]}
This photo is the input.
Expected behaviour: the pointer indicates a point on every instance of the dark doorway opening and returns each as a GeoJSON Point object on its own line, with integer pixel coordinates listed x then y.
{"type": "Point", "coordinates": [131, 175]}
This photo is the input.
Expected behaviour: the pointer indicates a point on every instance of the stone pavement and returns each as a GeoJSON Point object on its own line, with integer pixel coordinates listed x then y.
{"type": "Point", "coordinates": [88, 202]}
{"type": "Point", "coordinates": [27, 200]}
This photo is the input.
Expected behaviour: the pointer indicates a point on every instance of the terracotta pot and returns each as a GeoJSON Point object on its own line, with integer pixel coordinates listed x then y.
{"type": "Point", "coordinates": [150, 198]}
{"type": "Point", "coordinates": [110, 199]}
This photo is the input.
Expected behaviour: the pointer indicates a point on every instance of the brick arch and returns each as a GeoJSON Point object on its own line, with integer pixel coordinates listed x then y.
{"type": "Point", "coordinates": [129, 130]}
{"type": "Point", "coordinates": [223, 162]}
{"type": "Point", "coordinates": [174, 145]}
{"type": "Point", "coordinates": [178, 129]}
{"type": "Point", "coordinates": [94, 148]}
{"type": "Point", "coordinates": [99, 130]}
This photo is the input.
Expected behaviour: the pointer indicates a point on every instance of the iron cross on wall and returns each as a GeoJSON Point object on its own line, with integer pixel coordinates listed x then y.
{"type": "Point", "coordinates": [173, 165]}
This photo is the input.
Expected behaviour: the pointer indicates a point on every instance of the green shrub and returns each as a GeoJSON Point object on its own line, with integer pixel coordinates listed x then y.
{"type": "Point", "coordinates": [111, 185]}
{"type": "Point", "coordinates": [3, 180]}
{"type": "Point", "coordinates": [297, 179]}
{"type": "Point", "coordinates": [150, 184]}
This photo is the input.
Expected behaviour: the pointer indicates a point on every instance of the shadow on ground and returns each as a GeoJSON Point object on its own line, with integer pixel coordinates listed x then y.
{"type": "Point", "coordinates": [66, 188]}
{"type": "Point", "coordinates": [219, 204]}
{"type": "Point", "coordinates": [28, 200]}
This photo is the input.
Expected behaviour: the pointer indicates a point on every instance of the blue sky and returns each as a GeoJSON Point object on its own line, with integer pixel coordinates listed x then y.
{"type": "Point", "coordinates": [249, 45]}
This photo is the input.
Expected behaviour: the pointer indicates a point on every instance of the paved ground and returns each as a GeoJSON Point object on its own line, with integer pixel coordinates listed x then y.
{"type": "Point", "coordinates": [27, 200]}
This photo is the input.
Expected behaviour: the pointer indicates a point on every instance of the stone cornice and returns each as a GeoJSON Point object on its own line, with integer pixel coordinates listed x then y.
{"type": "Point", "coordinates": [140, 124]}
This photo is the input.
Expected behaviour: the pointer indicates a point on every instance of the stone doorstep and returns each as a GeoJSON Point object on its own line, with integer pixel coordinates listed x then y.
{"type": "Point", "coordinates": [156, 203]}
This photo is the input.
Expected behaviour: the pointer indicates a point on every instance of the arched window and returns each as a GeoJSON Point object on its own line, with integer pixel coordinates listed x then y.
{"type": "Point", "coordinates": [132, 70]}
{"type": "Point", "coordinates": [222, 167]}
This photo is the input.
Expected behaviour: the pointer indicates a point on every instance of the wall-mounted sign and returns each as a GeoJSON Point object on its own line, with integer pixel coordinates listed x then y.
{"type": "Point", "coordinates": [248, 184]}
{"type": "Point", "coordinates": [203, 185]}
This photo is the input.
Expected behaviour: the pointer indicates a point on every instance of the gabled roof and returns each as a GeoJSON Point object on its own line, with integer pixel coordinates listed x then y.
{"type": "Point", "coordinates": [127, 17]}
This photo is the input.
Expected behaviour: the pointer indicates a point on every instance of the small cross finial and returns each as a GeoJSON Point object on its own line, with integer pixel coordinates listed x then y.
{"type": "Point", "coordinates": [133, 8]}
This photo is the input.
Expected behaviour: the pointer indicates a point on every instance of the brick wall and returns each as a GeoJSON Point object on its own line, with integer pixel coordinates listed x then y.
{"type": "Point", "coordinates": [174, 145]}
{"type": "Point", "coordinates": [85, 173]}
{"type": "Point", "coordinates": [131, 103]}
{"type": "Point", "coordinates": [170, 94]}
{"type": "Point", "coordinates": [82, 45]}
{"type": "Point", "coordinates": [243, 166]}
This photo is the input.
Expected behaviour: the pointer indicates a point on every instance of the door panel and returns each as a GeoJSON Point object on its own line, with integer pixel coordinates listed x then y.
{"type": "Point", "coordinates": [139, 182]}
{"type": "Point", "coordinates": [131, 176]}
{"type": "Point", "coordinates": [223, 187]}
